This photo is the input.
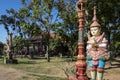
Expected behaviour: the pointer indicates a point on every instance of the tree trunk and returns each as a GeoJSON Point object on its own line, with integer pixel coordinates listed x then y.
{"type": "Point", "coordinates": [4, 60]}
{"type": "Point", "coordinates": [47, 54]}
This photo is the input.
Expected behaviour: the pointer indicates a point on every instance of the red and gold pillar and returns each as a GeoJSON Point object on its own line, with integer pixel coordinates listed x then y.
{"type": "Point", "coordinates": [81, 63]}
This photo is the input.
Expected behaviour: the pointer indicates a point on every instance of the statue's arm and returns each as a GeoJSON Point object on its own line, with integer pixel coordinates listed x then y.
{"type": "Point", "coordinates": [104, 43]}
{"type": "Point", "coordinates": [88, 46]}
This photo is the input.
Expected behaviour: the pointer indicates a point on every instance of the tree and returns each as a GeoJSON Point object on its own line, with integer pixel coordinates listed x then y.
{"type": "Point", "coordinates": [18, 43]}
{"type": "Point", "coordinates": [60, 17]}
{"type": "Point", "coordinates": [43, 14]}
{"type": "Point", "coordinates": [69, 24]}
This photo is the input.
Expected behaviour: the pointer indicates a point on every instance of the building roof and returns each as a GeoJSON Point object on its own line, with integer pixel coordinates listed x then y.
{"type": "Point", "coordinates": [35, 38]}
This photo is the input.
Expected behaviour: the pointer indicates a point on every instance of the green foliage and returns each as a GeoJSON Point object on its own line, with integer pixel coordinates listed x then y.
{"type": "Point", "coordinates": [24, 12]}
{"type": "Point", "coordinates": [55, 43]}
{"type": "Point", "coordinates": [18, 43]}
{"type": "Point", "coordinates": [60, 17]}
{"type": "Point", "coordinates": [68, 27]}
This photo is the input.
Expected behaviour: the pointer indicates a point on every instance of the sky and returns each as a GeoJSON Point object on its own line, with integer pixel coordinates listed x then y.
{"type": "Point", "coordinates": [4, 5]}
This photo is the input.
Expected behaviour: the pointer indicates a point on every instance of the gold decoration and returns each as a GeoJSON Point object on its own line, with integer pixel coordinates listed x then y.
{"type": "Point", "coordinates": [80, 56]}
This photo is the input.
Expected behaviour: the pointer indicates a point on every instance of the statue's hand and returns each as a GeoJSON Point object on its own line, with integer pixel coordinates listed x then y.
{"type": "Point", "coordinates": [95, 45]}
{"type": "Point", "coordinates": [93, 42]}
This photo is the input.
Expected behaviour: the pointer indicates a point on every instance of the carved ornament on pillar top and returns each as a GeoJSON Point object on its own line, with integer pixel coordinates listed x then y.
{"type": "Point", "coordinates": [81, 5]}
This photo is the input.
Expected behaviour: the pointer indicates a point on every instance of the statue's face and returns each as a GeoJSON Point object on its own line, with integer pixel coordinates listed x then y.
{"type": "Point", "coordinates": [95, 31]}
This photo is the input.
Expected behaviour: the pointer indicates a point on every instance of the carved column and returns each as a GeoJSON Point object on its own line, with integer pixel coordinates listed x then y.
{"type": "Point", "coordinates": [81, 63]}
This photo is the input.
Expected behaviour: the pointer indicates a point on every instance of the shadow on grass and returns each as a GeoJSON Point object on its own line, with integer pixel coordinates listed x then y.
{"type": "Point", "coordinates": [27, 62]}
{"type": "Point", "coordinates": [115, 63]}
{"type": "Point", "coordinates": [45, 77]}
{"type": "Point", "coordinates": [36, 58]}
{"type": "Point", "coordinates": [116, 60]}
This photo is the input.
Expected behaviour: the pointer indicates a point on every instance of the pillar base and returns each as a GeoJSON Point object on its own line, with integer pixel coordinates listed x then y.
{"type": "Point", "coordinates": [79, 78]}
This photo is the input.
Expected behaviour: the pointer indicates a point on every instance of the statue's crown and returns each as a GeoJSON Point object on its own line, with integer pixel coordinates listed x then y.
{"type": "Point", "coordinates": [95, 23]}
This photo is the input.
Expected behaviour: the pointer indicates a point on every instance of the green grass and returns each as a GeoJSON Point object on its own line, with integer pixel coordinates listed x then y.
{"type": "Point", "coordinates": [24, 78]}
{"type": "Point", "coordinates": [47, 77]}
{"type": "Point", "coordinates": [43, 70]}
{"type": "Point", "coordinates": [38, 77]}
{"type": "Point", "coordinates": [41, 66]}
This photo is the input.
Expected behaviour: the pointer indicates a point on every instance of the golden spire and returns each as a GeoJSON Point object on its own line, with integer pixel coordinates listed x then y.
{"type": "Point", "coordinates": [95, 23]}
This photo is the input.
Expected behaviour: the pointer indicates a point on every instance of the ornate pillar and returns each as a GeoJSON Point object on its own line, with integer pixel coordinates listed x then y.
{"type": "Point", "coordinates": [81, 63]}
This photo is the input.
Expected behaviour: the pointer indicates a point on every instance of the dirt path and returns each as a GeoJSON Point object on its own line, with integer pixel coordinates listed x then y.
{"type": "Point", "coordinates": [13, 74]}
{"type": "Point", "coordinates": [113, 72]}
{"type": "Point", "coordinates": [9, 74]}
